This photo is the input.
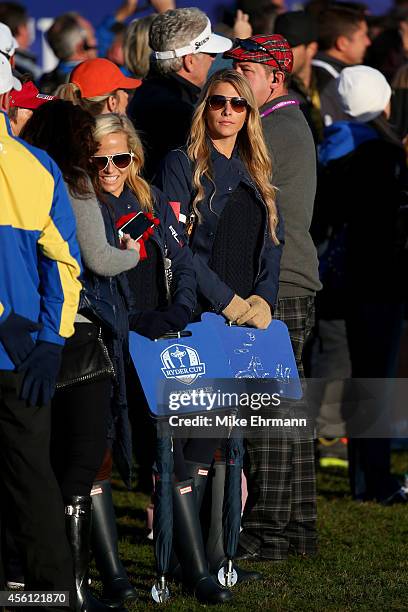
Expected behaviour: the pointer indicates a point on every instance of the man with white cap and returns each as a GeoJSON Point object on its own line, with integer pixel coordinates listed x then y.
{"type": "Point", "coordinates": [363, 176]}
{"type": "Point", "coordinates": [39, 295]}
{"type": "Point", "coordinates": [184, 48]}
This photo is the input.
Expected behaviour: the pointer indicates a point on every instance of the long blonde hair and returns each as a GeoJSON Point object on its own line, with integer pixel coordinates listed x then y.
{"type": "Point", "coordinates": [113, 124]}
{"type": "Point", "coordinates": [136, 48]}
{"type": "Point", "coordinates": [94, 105]}
{"type": "Point", "coordinates": [250, 140]}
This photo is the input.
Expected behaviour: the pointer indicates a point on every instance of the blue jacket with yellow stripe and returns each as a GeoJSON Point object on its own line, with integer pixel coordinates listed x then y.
{"type": "Point", "coordinates": [39, 254]}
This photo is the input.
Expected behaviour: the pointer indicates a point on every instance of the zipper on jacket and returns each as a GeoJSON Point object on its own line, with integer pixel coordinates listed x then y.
{"type": "Point", "coordinates": [168, 274]}
{"type": "Point", "coordinates": [167, 271]}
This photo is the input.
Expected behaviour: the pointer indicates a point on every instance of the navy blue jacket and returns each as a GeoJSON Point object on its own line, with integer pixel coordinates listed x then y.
{"type": "Point", "coordinates": [108, 297]}
{"type": "Point", "coordinates": [171, 241]}
{"type": "Point", "coordinates": [175, 180]}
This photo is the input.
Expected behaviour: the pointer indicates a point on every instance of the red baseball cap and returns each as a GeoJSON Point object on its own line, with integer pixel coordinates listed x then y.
{"type": "Point", "coordinates": [28, 97]}
{"type": "Point", "coordinates": [99, 77]}
{"type": "Point", "coordinates": [272, 50]}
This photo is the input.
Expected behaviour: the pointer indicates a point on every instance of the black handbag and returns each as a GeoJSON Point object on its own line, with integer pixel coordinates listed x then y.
{"type": "Point", "coordinates": [85, 357]}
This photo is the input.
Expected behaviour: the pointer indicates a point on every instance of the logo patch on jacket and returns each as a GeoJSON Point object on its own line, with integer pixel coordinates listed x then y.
{"type": "Point", "coordinates": [176, 236]}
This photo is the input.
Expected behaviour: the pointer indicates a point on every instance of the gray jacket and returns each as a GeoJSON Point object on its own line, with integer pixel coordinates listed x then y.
{"type": "Point", "coordinates": [293, 154]}
{"type": "Point", "coordinates": [96, 252]}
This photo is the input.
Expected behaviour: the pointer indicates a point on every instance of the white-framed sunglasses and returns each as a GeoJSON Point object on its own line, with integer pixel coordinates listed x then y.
{"type": "Point", "coordinates": [121, 161]}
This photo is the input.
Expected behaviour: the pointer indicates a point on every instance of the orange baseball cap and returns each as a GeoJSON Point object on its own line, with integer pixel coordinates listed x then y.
{"type": "Point", "coordinates": [99, 77]}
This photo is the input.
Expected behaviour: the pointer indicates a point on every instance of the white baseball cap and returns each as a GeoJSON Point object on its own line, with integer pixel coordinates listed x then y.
{"type": "Point", "coordinates": [364, 92]}
{"type": "Point", "coordinates": [205, 42]}
{"type": "Point", "coordinates": [8, 43]}
{"type": "Point", "coordinates": [7, 80]}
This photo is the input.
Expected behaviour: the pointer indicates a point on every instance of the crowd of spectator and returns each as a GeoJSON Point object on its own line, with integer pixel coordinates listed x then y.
{"type": "Point", "coordinates": [269, 154]}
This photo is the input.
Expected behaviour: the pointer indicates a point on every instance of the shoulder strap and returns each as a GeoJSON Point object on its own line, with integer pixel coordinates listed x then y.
{"type": "Point", "coordinates": [326, 66]}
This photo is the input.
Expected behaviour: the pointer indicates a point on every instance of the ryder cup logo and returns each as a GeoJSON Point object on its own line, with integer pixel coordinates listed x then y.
{"type": "Point", "coordinates": [182, 363]}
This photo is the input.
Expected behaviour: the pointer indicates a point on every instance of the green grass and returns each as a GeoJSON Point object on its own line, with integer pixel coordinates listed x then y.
{"type": "Point", "coordinates": [362, 562]}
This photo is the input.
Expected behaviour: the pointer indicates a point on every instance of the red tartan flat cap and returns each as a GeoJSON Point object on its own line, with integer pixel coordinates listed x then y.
{"type": "Point", "coordinates": [272, 50]}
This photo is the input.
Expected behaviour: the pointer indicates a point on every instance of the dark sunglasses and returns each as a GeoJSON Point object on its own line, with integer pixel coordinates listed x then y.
{"type": "Point", "coordinates": [252, 45]}
{"type": "Point", "coordinates": [119, 160]}
{"type": "Point", "coordinates": [216, 102]}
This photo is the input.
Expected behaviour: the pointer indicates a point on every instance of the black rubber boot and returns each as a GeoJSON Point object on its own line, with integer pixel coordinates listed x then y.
{"type": "Point", "coordinates": [116, 586]}
{"type": "Point", "coordinates": [78, 510]}
{"type": "Point", "coordinates": [199, 473]}
{"type": "Point", "coordinates": [189, 546]}
{"type": "Point", "coordinates": [215, 541]}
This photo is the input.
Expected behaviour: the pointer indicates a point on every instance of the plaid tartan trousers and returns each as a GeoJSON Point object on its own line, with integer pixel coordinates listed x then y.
{"type": "Point", "coordinates": [280, 512]}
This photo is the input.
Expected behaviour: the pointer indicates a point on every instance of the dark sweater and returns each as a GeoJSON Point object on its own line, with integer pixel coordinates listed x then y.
{"type": "Point", "coordinates": [299, 91]}
{"type": "Point", "coordinates": [161, 110]}
{"type": "Point", "coordinates": [238, 241]}
{"type": "Point", "coordinates": [147, 280]}
{"type": "Point", "coordinates": [293, 154]}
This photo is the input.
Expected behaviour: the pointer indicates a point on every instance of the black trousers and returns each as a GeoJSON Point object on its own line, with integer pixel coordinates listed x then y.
{"type": "Point", "coordinates": [32, 499]}
{"type": "Point", "coordinates": [374, 334]}
{"type": "Point", "coordinates": [78, 436]}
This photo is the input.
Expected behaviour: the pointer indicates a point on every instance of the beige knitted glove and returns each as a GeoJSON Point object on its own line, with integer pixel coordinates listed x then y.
{"type": "Point", "coordinates": [259, 315]}
{"type": "Point", "coordinates": [235, 309]}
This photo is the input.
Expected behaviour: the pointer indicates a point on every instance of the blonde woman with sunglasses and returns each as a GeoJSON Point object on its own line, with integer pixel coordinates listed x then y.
{"type": "Point", "coordinates": [156, 307]}
{"type": "Point", "coordinates": [222, 181]}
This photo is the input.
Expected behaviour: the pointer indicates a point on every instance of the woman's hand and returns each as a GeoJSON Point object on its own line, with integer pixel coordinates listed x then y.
{"type": "Point", "coordinates": [129, 244]}
{"type": "Point", "coordinates": [235, 309]}
{"type": "Point", "coordinates": [258, 315]}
